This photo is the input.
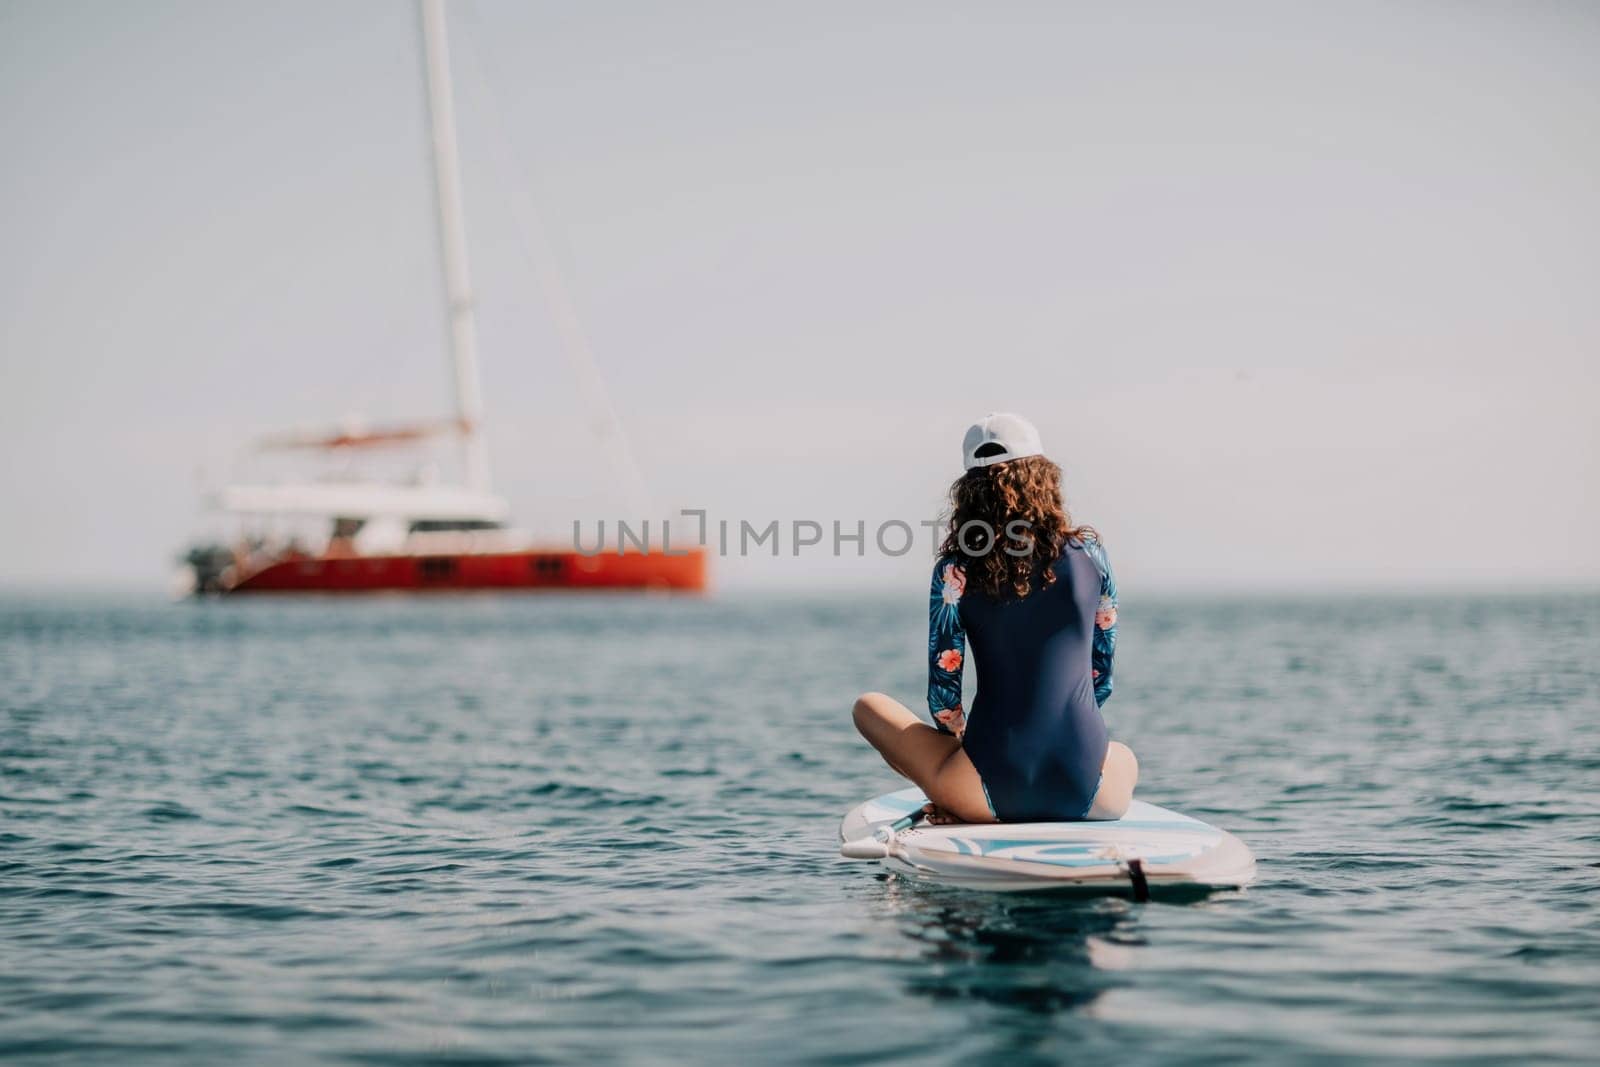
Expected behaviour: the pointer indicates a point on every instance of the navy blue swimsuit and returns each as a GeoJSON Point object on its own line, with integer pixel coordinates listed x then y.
{"type": "Point", "coordinates": [1044, 668]}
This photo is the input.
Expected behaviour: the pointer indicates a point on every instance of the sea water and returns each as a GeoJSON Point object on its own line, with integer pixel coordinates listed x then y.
{"type": "Point", "coordinates": [521, 830]}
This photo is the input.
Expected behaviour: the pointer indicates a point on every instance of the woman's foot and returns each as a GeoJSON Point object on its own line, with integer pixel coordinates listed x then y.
{"type": "Point", "coordinates": [934, 815]}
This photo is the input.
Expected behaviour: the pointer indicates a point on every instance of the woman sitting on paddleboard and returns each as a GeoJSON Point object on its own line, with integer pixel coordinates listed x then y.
{"type": "Point", "coordinates": [1034, 599]}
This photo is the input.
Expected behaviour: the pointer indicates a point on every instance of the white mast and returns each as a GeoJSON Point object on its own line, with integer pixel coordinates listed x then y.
{"type": "Point", "coordinates": [453, 244]}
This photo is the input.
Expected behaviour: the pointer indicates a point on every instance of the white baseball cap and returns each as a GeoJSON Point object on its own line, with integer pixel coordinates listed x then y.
{"type": "Point", "coordinates": [999, 437]}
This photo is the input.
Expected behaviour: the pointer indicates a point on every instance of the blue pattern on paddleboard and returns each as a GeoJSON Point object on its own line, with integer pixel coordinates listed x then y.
{"type": "Point", "coordinates": [905, 801]}
{"type": "Point", "coordinates": [897, 802]}
{"type": "Point", "coordinates": [1057, 856]}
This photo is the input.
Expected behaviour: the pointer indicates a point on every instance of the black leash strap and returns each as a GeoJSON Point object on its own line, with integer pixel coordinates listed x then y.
{"type": "Point", "coordinates": [1141, 887]}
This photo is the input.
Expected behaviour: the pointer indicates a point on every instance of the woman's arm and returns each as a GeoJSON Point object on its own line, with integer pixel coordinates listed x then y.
{"type": "Point", "coordinates": [947, 643]}
{"type": "Point", "coordinates": [1105, 623]}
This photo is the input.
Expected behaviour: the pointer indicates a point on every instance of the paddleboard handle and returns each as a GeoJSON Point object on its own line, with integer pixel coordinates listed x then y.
{"type": "Point", "coordinates": [906, 823]}
{"type": "Point", "coordinates": [866, 848]}
{"type": "Point", "coordinates": [881, 845]}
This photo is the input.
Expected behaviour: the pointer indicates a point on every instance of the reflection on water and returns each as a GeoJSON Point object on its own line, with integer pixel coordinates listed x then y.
{"type": "Point", "coordinates": [1033, 952]}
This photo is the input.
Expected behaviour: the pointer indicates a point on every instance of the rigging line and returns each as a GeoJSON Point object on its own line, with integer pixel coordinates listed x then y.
{"type": "Point", "coordinates": [537, 254]}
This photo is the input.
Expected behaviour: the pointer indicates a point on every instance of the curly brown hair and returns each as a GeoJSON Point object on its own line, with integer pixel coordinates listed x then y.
{"type": "Point", "coordinates": [986, 502]}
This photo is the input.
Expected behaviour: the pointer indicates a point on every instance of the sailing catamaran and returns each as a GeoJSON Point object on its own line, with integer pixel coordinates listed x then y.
{"type": "Point", "coordinates": [417, 534]}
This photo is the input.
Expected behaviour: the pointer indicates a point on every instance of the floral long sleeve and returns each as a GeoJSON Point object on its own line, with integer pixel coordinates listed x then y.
{"type": "Point", "coordinates": [1104, 648]}
{"type": "Point", "coordinates": [947, 646]}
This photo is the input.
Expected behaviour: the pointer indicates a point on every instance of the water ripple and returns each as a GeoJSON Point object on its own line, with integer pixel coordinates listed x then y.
{"type": "Point", "coordinates": [520, 831]}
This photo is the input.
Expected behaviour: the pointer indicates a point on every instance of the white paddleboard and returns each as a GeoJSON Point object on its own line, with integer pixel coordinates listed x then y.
{"type": "Point", "coordinates": [1148, 851]}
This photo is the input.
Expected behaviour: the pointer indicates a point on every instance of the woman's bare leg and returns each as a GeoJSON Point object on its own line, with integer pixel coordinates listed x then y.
{"type": "Point", "coordinates": [1118, 775]}
{"type": "Point", "coordinates": [915, 750]}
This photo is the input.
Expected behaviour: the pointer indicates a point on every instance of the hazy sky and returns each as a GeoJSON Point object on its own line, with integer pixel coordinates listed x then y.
{"type": "Point", "coordinates": [1300, 296]}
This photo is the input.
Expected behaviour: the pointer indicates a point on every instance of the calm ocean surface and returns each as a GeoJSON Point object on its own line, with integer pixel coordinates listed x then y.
{"type": "Point", "coordinates": [590, 831]}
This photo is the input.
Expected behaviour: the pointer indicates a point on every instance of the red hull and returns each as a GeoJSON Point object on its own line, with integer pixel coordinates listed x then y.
{"type": "Point", "coordinates": [554, 570]}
